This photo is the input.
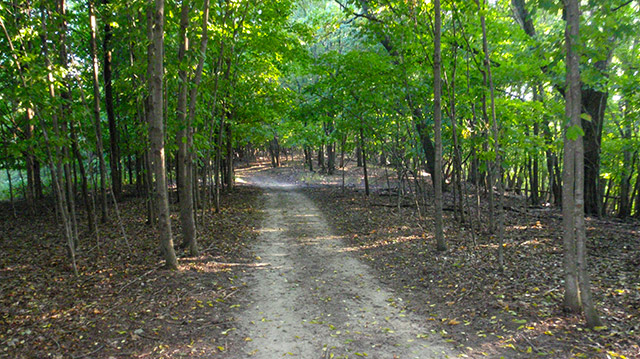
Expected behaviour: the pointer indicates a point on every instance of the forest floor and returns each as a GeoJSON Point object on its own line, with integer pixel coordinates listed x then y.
{"type": "Point", "coordinates": [122, 304]}
{"type": "Point", "coordinates": [295, 265]}
{"type": "Point", "coordinates": [478, 309]}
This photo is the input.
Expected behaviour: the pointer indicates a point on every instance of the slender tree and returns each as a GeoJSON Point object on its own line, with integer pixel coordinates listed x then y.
{"type": "Point", "coordinates": [156, 130]}
{"type": "Point", "coordinates": [437, 118]}
{"type": "Point", "coordinates": [577, 282]}
{"type": "Point", "coordinates": [107, 72]}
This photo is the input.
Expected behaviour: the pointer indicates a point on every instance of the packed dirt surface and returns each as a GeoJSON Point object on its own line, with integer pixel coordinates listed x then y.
{"type": "Point", "coordinates": [309, 297]}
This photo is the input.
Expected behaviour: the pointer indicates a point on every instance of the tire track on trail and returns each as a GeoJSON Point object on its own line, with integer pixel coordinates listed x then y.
{"type": "Point", "coordinates": [310, 298]}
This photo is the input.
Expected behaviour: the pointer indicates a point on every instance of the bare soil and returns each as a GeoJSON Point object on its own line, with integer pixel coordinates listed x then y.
{"type": "Point", "coordinates": [310, 297]}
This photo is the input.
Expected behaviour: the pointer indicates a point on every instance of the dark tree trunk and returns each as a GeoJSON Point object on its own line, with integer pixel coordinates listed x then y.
{"type": "Point", "coordinates": [364, 162]}
{"type": "Point", "coordinates": [274, 150]}
{"type": "Point", "coordinates": [636, 194]}
{"type": "Point", "coordinates": [229, 168]}
{"type": "Point", "coordinates": [331, 158]}
{"type": "Point", "coordinates": [427, 144]}
{"type": "Point", "coordinates": [535, 186]}
{"type": "Point", "coordinates": [85, 187]}
{"type": "Point", "coordinates": [114, 136]}
{"type": "Point", "coordinates": [308, 157]}
{"type": "Point", "coordinates": [321, 158]}
{"type": "Point", "coordinates": [594, 104]}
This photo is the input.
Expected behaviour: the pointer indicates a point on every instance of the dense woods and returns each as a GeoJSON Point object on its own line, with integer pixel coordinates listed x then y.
{"type": "Point", "coordinates": [162, 100]}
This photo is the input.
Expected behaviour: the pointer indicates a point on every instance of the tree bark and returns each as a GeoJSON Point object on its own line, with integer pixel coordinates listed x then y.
{"type": "Point", "coordinates": [184, 166]}
{"type": "Point", "coordinates": [441, 245]}
{"type": "Point", "coordinates": [577, 282]}
{"type": "Point", "coordinates": [114, 136]}
{"type": "Point", "coordinates": [156, 130]}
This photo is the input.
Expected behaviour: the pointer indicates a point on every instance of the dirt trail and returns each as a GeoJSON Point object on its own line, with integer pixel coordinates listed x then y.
{"type": "Point", "coordinates": [311, 298]}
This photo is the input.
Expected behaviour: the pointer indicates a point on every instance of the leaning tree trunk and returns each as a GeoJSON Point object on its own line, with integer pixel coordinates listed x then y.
{"type": "Point", "coordinates": [156, 131]}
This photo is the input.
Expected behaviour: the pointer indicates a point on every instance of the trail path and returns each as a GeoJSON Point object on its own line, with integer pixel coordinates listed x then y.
{"type": "Point", "coordinates": [311, 298]}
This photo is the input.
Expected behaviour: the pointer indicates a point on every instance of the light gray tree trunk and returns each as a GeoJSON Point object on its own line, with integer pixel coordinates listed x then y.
{"type": "Point", "coordinates": [577, 281]}
{"type": "Point", "coordinates": [183, 139]}
{"type": "Point", "coordinates": [156, 131]}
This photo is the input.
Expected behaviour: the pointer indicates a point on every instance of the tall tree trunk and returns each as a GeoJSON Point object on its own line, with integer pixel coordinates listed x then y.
{"type": "Point", "coordinates": [577, 282]}
{"type": "Point", "coordinates": [183, 158]}
{"type": "Point", "coordinates": [96, 114]}
{"type": "Point", "coordinates": [114, 136]}
{"type": "Point", "coordinates": [496, 170]}
{"type": "Point", "coordinates": [441, 245]}
{"type": "Point", "coordinates": [156, 130]}
{"type": "Point", "coordinates": [457, 153]}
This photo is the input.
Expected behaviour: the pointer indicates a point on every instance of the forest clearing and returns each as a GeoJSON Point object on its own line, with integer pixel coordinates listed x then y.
{"type": "Point", "coordinates": [319, 178]}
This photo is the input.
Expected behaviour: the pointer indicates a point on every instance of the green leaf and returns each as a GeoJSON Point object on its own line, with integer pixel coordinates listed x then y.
{"type": "Point", "coordinates": [586, 117]}
{"type": "Point", "coordinates": [574, 132]}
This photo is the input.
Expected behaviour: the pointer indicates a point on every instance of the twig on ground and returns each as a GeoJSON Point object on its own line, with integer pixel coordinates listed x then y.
{"type": "Point", "coordinates": [137, 279]}
{"type": "Point", "coordinates": [88, 354]}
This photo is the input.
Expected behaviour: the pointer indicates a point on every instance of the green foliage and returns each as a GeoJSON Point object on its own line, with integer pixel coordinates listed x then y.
{"type": "Point", "coordinates": [313, 72]}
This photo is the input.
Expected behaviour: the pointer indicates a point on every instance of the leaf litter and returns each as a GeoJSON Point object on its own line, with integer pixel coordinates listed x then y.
{"type": "Point", "coordinates": [122, 304]}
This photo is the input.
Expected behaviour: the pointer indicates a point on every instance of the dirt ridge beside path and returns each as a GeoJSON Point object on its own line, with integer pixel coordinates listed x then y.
{"type": "Point", "coordinates": [309, 297]}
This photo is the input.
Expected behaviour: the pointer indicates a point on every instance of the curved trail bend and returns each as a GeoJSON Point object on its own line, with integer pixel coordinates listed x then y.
{"type": "Point", "coordinates": [310, 298]}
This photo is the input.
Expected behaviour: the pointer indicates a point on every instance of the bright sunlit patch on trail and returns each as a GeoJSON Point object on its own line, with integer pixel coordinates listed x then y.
{"type": "Point", "coordinates": [270, 230]}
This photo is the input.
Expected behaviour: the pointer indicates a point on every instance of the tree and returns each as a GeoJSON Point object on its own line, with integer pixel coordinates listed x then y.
{"type": "Point", "coordinates": [577, 283]}
{"type": "Point", "coordinates": [437, 118]}
{"type": "Point", "coordinates": [156, 128]}
{"type": "Point", "coordinates": [114, 135]}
